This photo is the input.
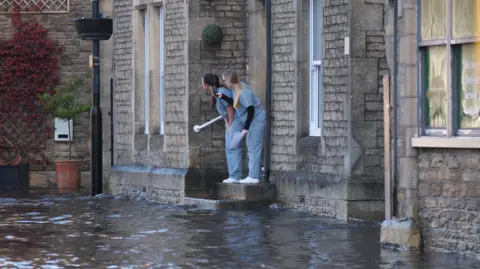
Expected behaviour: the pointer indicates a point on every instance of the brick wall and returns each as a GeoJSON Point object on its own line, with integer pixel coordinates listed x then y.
{"type": "Point", "coordinates": [449, 199]}
{"type": "Point", "coordinates": [75, 63]}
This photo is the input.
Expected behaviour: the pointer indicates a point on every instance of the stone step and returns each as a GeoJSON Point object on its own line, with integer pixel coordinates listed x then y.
{"type": "Point", "coordinates": [247, 192]}
{"type": "Point", "coordinates": [233, 196]}
{"type": "Point", "coordinates": [211, 204]}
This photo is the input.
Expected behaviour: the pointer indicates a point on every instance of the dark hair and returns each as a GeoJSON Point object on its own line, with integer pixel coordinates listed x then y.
{"type": "Point", "coordinates": [213, 81]}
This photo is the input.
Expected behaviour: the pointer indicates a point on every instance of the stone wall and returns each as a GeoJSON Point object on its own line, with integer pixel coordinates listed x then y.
{"type": "Point", "coordinates": [284, 133]}
{"type": "Point", "coordinates": [132, 147]}
{"type": "Point", "coordinates": [122, 99]}
{"type": "Point", "coordinates": [75, 63]}
{"type": "Point", "coordinates": [449, 199]}
{"type": "Point", "coordinates": [162, 185]}
{"type": "Point", "coordinates": [176, 84]}
{"type": "Point", "coordinates": [369, 64]}
{"type": "Point", "coordinates": [208, 146]}
{"type": "Point", "coordinates": [187, 103]}
{"type": "Point", "coordinates": [350, 147]}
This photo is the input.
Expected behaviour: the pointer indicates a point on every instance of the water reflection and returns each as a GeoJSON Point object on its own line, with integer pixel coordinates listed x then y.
{"type": "Point", "coordinates": [77, 231]}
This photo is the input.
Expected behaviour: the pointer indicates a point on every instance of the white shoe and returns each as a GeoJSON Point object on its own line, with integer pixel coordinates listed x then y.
{"type": "Point", "coordinates": [249, 180]}
{"type": "Point", "coordinates": [230, 180]}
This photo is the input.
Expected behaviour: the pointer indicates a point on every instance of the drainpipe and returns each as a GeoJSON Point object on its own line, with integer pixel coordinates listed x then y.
{"type": "Point", "coordinates": [112, 134]}
{"type": "Point", "coordinates": [395, 106]}
{"type": "Point", "coordinates": [268, 93]}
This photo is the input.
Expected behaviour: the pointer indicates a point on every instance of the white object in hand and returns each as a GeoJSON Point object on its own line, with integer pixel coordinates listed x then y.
{"type": "Point", "coordinates": [197, 128]}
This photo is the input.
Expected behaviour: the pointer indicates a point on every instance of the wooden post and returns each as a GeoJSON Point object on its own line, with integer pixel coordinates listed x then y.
{"type": "Point", "coordinates": [387, 152]}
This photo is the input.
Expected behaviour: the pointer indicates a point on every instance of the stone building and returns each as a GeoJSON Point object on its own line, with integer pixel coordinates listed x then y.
{"type": "Point", "coordinates": [327, 133]}
{"type": "Point", "coordinates": [56, 17]}
{"type": "Point", "coordinates": [438, 180]}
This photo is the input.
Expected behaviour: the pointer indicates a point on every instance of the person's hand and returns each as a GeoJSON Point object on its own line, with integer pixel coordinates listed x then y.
{"type": "Point", "coordinates": [218, 95]}
{"type": "Point", "coordinates": [244, 132]}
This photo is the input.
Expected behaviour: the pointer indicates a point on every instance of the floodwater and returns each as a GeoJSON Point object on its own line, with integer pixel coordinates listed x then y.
{"type": "Point", "coordinates": [78, 231]}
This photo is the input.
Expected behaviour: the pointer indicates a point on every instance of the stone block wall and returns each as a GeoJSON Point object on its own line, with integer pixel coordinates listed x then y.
{"type": "Point", "coordinates": [369, 64]}
{"type": "Point", "coordinates": [292, 148]}
{"type": "Point", "coordinates": [208, 146]}
{"type": "Point", "coordinates": [284, 134]}
{"type": "Point", "coordinates": [161, 185]}
{"type": "Point", "coordinates": [122, 99]}
{"type": "Point", "coordinates": [449, 199]}
{"type": "Point", "coordinates": [176, 115]}
{"type": "Point", "coordinates": [352, 116]}
{"type": "Point", "coordinates": [132, 147]}
{"type": "Point", "coordinates": [335, 85]}
{"type": "Point", "coordinates": [75, 63]}
{"type": "Point", "coordinates": [187, 58]}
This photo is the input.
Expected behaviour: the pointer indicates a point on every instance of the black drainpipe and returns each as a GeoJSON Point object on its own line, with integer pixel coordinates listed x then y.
{"type": "Point", "coordinates": [111, 122]}
{"type": "Point", "coordinates": [268, 93]}
{"type": "Point", "coordinates": [395, 107]}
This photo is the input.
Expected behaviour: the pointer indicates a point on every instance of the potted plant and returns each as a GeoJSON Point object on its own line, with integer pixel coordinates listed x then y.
{"type": "Point", "coordinates": [64, 104]}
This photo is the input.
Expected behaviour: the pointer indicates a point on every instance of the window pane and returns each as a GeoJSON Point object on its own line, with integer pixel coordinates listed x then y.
{"type": "Point", "coordinates": [317, 29]}
{"type": "Point", "coordinates": [468, 85]}
{"type": "Point", "coordinates": [433, 19]}
{"type": "Point", "coordinates": [464, 18]}
{"type": "Point", "coordinates": [436, 87]}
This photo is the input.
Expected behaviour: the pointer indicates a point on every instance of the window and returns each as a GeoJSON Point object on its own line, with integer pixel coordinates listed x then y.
{"type": "Point", "coordinates": [147, 71]}
{"type": "Point", "coordinates": [161, 49]}
{"type": "Point", "coordinates": [450, 67]}
{"type": "Point", "coordinates": [316, 76]}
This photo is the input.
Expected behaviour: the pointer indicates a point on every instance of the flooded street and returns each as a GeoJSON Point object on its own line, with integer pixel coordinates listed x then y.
{"type": "Point", "coordinates": [78, 231]}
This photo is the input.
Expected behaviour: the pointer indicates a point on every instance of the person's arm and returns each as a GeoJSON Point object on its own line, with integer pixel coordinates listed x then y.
{"type": "Point", "coordinates": [250, 113]}
{"type": "Point", "coordinates": [231, 114]}
{"type": "Point", "coordinates": [227, 99]}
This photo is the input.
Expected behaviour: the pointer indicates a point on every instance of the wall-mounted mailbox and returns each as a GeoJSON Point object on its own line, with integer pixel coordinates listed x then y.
{"type": "Point", "coordinates": [61, 130]}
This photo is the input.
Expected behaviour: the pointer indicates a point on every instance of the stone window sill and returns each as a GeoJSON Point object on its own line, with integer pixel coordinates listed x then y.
{"type": "Point", "coordinates": [446, 142]}
{"type": "Point", "coordinates": [142, 4]}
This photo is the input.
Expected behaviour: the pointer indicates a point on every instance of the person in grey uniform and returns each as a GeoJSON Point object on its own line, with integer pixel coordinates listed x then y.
{"type": "Point", "coordinates": [248, 107]}
{"type": "Point", "coordinates": [232, 124]}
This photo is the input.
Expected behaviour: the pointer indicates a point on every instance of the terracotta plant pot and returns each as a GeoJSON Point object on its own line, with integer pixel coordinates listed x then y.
{"type": "Point", "coordinates": [67, 175]}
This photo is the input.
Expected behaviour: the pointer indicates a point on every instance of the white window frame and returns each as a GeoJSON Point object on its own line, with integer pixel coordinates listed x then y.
{"type": "Point", "coordinates": [147, 71]}
{"type": "Point", "coordinates": [162, 69]}
{"type": "Point", "coordinates": [316, 80]}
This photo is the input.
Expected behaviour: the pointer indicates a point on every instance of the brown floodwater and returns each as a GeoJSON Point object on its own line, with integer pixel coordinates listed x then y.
{"type": "Point", "coordinates": [45, 230]}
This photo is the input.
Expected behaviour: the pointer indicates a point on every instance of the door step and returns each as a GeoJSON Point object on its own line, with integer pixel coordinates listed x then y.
{"type": "Point", "coordinates": [233, 196]}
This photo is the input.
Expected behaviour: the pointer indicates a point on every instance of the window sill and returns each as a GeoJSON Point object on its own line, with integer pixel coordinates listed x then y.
{"type": "Point", "coordinates": [446, 142]}
{"type": "Point", "coordinates": [142, 4]}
